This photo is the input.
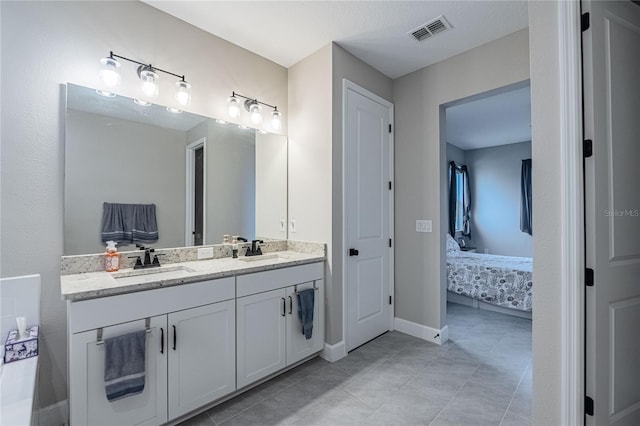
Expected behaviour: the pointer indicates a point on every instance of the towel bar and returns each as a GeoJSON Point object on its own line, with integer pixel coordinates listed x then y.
{"type": "Point", "coordinates": [147, 327]}
{"type": "Point", "coordinates": [295, 288]}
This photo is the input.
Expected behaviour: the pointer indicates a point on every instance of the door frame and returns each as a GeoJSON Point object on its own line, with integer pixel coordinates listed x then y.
{"type": "Point", "coordinates": [349, 85]}
{"type": "Point", "coordinates": [572, 327]}
{"type": "Point", "coordinates": [190, 189]}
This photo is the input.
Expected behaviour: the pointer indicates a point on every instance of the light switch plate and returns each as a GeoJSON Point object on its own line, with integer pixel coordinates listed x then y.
{"type": "Point", "coordinates": [423, 225]}
{"type": "Point", "coordinates": [205, 253]}
{"type": "Point", "coordinates": [293, 224]}
{"type": "Point", "coordinates": [283, 225]}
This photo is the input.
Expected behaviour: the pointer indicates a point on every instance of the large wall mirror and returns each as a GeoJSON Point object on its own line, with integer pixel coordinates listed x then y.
{"type": "Point", "coordinates": [205, 177]}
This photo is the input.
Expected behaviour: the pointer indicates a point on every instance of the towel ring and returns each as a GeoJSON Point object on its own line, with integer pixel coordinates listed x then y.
{"type": "Point", "coordinates": [147, 328]}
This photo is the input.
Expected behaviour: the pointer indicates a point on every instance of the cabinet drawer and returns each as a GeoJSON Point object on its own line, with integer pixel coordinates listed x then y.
{"type": "Point", "coordinates": [105, 311]}
{"type": "Point", "coordinates": [278, 278]}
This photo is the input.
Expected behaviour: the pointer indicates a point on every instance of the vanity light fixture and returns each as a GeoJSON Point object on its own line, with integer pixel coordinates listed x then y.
{"type": "Point", "coordinates": [254, 107]}
{"type": "Point", "coordinates": [148, 74]}
{"type": "Point", "coordinates": [141, 102]}
{"type": "Point", "coordinates": [105, 93]}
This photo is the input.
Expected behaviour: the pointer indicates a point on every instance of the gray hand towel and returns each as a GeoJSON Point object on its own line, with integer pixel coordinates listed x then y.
{"type": "Point", "coordinates": [129, 223]}
{"type": "Point", "coordinates": [305, 311]}
{"type": "Point", "coordinates": [124, 361]}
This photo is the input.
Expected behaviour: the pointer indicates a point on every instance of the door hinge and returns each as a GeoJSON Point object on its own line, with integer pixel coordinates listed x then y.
{"type": "Point", "coordinates": [389, 128]}
{"type": "Point", "coordinates": [587, 148]}
{"type": "Point", "coordinates": [390, 245]}
{"type": "Point", "coordinates": [588, 277]}
{"type": "Point", "coordinates": [585, 21]}
{"type": "Point", "coordinates": [588, 405]}
{"type": "Point", "coordinates": [389, 185]}
{"type": "Point", "coordinates": [391, 300]}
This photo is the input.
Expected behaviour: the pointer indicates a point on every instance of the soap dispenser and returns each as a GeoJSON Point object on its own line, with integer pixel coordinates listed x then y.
{"type": "Point", "coordinates": [111, 257]}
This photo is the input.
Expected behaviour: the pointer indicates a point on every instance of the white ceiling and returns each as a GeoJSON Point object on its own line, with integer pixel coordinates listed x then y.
{"type": "Point", "coordinates": [374, 31]}
{"type": "Point", "coordinates": [495, 120]}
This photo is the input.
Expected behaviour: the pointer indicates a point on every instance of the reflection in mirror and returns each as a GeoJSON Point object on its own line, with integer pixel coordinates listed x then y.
{"type": "Point", "coordinates": [205, 178]}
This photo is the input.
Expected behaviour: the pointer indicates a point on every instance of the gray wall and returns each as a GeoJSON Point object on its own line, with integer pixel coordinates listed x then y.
{"type": "Point", "coordinates": [455, 154]}
{"type": "Point", "coordinates": [420, 156]}
{"type": "Point", "coordinates": [547, 228]}
{"type": "Point", "coordinates": [495, 190]}
{"type": "Point", "coordinates": [120, 161]}
{"type": "Point", "coordinates": [47, 44]}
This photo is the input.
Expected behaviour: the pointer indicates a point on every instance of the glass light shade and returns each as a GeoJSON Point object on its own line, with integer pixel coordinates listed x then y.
{"type": "Point", "coordinates": [149, 83]}
{"type": "Point", "coordinates": [276, 120]}
{"type": "Point", "coordinates": [234, 106]}
{"type": "Point", "coordinates": [183, 94]}
{"type": "Point", "coordinates": [105, 93]}
{"type": "Point", "coordinates": [141, 102]}
{"type": "Point", "coordinates": [110, 71]}
{"type": "Point", "coordinates": [174, 110]}
{"type": "Point", "coordinates": [256, 115]}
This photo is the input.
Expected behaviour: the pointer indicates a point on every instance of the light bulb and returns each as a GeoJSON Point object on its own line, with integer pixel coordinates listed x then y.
{"type": "Point", "coordinates": [110, 72]}
{"type": "Point", "coordinates": [234, 106]}
{"type": "Point", "coordinates": [149, 81]}
{"type": "Point", "coordinates": [276, 120]}
{"type": "Point", "coordinates": [256, 115]}
{"type": "Point", "coordinates": [183, 95]}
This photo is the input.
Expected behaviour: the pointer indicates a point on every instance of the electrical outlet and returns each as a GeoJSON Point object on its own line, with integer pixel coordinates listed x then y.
{"type": "Point", "coordinates": [293, 224]}
{"type": "Point", "coordinates": [205, 253]}
{"type": "Point", "coordinates": [486, 251]}
{"type": "Point", "coordinates": [424, 225]}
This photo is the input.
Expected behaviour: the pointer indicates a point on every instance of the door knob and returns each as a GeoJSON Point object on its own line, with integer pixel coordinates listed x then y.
{"type": "Point", "coordinates": [353, 252]}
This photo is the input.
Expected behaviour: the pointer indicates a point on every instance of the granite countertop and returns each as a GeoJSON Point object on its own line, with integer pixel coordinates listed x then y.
{"type": "Point", "coordinates": [90, 285]}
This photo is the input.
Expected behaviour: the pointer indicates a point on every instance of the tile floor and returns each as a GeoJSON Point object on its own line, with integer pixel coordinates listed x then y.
{"type": "Point", "coordinates": [482, 376]}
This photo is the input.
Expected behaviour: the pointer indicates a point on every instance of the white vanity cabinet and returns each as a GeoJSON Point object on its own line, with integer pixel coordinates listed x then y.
{"type": "Point", "coordinates": [269, 332]}
{"type": "Point", "coordinates": [202, 356]}
{"type": "Point", "coordinates": [190, 352]}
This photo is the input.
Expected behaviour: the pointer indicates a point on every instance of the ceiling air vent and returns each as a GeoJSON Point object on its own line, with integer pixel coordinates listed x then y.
{"type": "Point", "coordinates": [431, 28]}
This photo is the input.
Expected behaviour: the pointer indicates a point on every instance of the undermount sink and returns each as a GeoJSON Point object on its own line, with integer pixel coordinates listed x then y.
{"type": "Point", "coordinates": [263, 257]}
{"type": "Point", "coordinates": [161, 272]}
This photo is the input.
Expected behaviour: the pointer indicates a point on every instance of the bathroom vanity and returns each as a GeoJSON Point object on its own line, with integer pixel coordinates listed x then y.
{"type": "Point", "coordinates": [214, 328]}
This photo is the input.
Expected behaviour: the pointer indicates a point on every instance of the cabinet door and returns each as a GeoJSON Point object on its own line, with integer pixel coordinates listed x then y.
{"type": "Point", "coordinates": [261, 335]}
{"type": "Point", "coordinates": [298, 347]}
{"type": "Point", "coordinates": [89, 404]}
{"type": "Point", "coordinates": [201, 356]}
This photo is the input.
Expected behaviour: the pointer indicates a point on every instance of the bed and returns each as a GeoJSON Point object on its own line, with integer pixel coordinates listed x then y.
{"type": "Point", "coordinates": [504, 281]}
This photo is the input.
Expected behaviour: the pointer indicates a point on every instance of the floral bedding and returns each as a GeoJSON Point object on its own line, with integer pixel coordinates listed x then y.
{"type": "Point", "coordinates": [500, 280]}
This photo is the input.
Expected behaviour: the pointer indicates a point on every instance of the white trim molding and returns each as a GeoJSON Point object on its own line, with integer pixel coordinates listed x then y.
{"type": "Point", "coordinates": [423, 332]}
{"type": "Point", "coordinates": [572, 214]}
{"type": "Point", "coordinates": [333, 353]}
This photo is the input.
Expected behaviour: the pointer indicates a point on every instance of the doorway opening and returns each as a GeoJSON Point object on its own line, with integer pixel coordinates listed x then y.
{"type": "Point", "coordinates": [488, 275]}
{"type": "Point", "coordinates": [195, 193]}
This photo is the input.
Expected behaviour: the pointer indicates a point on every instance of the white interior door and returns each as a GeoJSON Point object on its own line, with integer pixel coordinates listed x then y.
{"type": "Point", "coordinates": [612, 204]}
{"type": "Point", "coordinates": [367, 215]}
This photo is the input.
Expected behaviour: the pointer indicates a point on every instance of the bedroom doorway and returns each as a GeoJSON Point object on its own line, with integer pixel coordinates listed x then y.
{"type": "Point", "coordinates": [488, 275]}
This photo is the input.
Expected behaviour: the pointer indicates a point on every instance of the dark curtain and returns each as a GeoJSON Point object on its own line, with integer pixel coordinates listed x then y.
{"type": "Point", "coordinates": [466, 203]}
{"type": "Point", "coordinates": [454, 170]}
{"type": "Point", "coordinates": [525, 197]}
{"type": "Point", "coordinates": [453, 191]}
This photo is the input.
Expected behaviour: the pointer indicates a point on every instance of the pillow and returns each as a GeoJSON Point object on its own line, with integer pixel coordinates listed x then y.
{"type": "Point", "coordinates": [451, 244]}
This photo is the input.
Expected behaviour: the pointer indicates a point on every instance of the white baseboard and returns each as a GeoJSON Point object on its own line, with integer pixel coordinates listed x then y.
{"type": "Point", "coordinates": [55, 414]}
{"type": "Point", "coordinates": [333, 353]}
{"type": "Point", "coordinates": [423, 332]}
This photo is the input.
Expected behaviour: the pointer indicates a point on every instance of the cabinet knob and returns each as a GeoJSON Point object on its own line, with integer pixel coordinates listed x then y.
{"type": "Point", "coordinates": [353, 252]}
